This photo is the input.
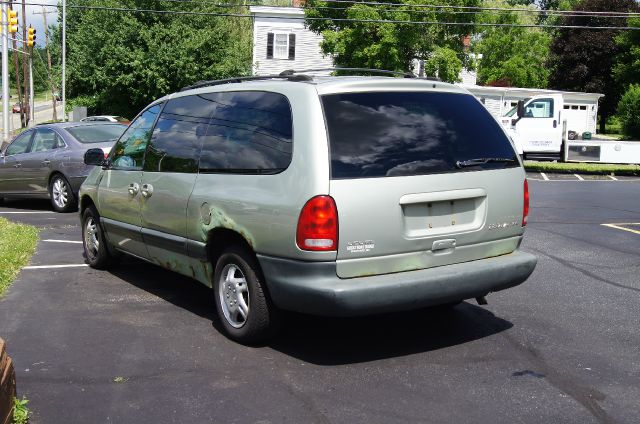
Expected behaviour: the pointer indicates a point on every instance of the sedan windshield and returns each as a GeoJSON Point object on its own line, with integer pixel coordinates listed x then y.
{"type": "Point", "coordinates": [97, 133]}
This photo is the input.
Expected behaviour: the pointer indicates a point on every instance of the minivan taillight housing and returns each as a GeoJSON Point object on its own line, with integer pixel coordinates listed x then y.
{"type": "Point", "coordinates": [525, 209]}
{"type": "Point", "coordinates": [318, 225]}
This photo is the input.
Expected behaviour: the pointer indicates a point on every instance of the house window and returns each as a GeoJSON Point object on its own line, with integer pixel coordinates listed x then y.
{"type": "Point", "coordinates": [281, 45]}
{"type": "Point", "coordinates": [281, 50]}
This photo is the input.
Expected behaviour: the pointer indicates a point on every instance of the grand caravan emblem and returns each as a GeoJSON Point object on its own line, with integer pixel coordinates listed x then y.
{"type": "Point", "coordinates": [502, 225]}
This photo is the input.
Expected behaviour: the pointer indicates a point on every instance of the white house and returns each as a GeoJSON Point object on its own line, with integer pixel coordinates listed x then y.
{"type": "Point", "coordinates": [281, 42]}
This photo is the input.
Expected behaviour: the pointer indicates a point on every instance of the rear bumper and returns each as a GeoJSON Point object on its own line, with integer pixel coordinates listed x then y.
{"type": "Point", "coordinates": [314, 287]}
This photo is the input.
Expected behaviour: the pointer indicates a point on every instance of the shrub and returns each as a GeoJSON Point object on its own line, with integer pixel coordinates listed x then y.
{"type": "Point", "coordinates": [629, 112]}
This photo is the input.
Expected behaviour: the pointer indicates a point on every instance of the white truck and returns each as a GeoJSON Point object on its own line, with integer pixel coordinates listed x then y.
{"type": "Point", "coordinates": [549, 127]}
{"type": "Point", "coordinates": [541, 125]}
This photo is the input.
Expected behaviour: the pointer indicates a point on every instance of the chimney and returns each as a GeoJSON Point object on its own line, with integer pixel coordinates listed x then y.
{"type": "Point", "coordinates": [466, 41]}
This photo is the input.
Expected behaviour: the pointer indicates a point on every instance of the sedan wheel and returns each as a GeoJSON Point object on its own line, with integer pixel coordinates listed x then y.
{"type": "Point", "coordinates": [62, 197]}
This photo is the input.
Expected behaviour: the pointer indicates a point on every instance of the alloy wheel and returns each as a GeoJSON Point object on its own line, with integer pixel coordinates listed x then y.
{"type": "Point", "coordinates": [234, 295]}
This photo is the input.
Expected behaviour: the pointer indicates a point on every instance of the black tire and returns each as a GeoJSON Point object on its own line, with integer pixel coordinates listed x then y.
{"type": "Point", "coordinates": [97, 256]}
{"type": "Point", "coordinates": [262, 317]}
{"type": "Point", "coordinates": [61, 194]}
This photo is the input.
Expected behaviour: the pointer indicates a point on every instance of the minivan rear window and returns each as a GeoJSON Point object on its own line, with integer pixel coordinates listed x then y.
{"type": "Point", "coordinates": [388, 134]}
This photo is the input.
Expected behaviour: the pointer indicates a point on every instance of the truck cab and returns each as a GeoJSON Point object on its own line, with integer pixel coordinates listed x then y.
{"type": "Point", "coordinates": [538, 130]}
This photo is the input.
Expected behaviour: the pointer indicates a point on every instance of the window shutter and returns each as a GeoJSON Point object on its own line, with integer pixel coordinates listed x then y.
{"type": "Point", "coordinates": [270, 45]}
{"type": "Point", "coordinates": [292, 46]}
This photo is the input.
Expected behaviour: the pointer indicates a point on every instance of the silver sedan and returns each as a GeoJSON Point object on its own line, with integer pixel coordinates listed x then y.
{"type": "Point", "coordinates": [48, 161]}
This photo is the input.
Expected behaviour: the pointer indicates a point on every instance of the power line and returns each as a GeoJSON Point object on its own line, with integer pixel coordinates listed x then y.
{"type": "Point", "coordinates": [383, 21]}
{"type": "Point", "coordinates": [439, 6]}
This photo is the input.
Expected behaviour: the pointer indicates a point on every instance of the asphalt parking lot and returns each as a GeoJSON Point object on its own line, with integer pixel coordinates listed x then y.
{"type": "Point", "coordinates": [139, 345]}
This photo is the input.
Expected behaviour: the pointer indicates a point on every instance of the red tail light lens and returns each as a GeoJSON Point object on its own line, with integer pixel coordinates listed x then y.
{"type": "Point", "coordinates": [318, 225]}
{"type": "Point", "coordinates": [525, 210]}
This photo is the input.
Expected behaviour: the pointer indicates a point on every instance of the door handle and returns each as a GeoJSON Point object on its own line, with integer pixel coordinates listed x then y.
{"type": "Point", "coordinates": [46, 162]}
{"type": "Point", "coordinates": [146, 190]}
{"type": "Point", "coordinates": [555, 123]}
{"type": "Point", "coordinates": [134, 188]}
{"type": "Point", "coordinates": [17, 165]}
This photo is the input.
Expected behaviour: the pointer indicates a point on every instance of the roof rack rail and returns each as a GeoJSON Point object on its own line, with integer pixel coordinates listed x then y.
{"type": "Point", "coordinates": [293, 75]}
{"type": "Point", "coordinates": [290, 72]}
{"type": "Point", "coordinates": [201, 84]}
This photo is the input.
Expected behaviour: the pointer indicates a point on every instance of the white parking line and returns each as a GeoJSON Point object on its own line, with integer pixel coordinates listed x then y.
{"type": "Point", "coordinates": [62, 241]}
{"type": "Point", "coordinates": [16, 213]}
{"type": "Point", "coordinates": [612, 177]}
{"type": "Point", "coordinates": [55, 266]}
{"type": "Point", "coordinates": [620, 226]}
{"type": "Point", "coordinates": [578, 177]}
{"type": "Point", "coordinates": [544, 176]}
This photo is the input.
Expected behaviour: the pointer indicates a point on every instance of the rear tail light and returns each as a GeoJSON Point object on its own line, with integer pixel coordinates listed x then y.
{"type": "Point", "coordinates": [106, 155]}
{"type": "Point", "coordinates": [318, 225]}
{"type": "Point", "coordinates": [525, 209]}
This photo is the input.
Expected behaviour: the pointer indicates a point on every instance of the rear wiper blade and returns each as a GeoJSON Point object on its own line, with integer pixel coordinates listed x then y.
{"type": "Point", "coordinates": [481, 161]}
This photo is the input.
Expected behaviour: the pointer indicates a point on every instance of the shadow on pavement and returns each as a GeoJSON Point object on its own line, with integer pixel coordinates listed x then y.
{"type": "Point", "coordinates": [181, 291]}
{"type": "Point", "coordinates": [339, 341]}
{"type": "Point", "coordinates": [332, 341]}
{"type": "Point", "coordinates": [28, 204]}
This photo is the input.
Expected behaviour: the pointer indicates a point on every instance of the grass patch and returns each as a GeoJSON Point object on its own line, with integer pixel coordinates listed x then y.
{"type": "Point", "coordinates": [584, 168]}
{"type": "Point", "coordinates": [20, 411]}
{"type": "Point", "coordinates": [17, 243]}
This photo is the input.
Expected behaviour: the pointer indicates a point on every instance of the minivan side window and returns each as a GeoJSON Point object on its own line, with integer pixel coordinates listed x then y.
{"type": "Point", "coordinates": [176, 139]}
{"type": "Point", "coordinates": [20, 144]}
{"type": "Point", "coordinates": [251, 132]}
{"type": "Point", "coordinates": [128, 153]}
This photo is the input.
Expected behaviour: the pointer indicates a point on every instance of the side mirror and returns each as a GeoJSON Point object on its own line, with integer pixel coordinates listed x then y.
{"type": "Point", "coordinates": [520, 108]}
{"type": "Point", "coordinates": [94, 157]}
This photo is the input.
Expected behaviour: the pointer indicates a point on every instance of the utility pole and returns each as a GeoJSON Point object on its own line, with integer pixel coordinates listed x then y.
{"type": "Point", "coordinates": [5, 73]}
{"type": "Point", "coordinates": [16, 64]}
{"type": "Point", "coordinates": [44, 14]}
{"type": "Point", "coordinates": [32, 107]}
{"type": "Point", "coordinates": [25, 70]}
{"type": "Point", "coordinates": [64, 60]}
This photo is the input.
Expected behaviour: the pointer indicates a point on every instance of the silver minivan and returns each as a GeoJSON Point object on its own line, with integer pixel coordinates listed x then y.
{"type": "Point", "coordinates": [336, 196]}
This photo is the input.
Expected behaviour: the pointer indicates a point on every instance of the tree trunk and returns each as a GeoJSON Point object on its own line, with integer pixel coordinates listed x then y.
{"type": "Point", "coordinates": [603, 121]}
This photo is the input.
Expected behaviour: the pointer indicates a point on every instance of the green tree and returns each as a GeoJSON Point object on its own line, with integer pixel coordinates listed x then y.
{"type": "Point", "coordinates": [583, 59]}
{"type": "Point", "coordinates": [392, 46]}
{"type": "Point", "coordinates": [626, 70]}
{"type": "Point", "coordinates": [515, 55]}
{"type": "Point", "coordinates": [629, 112]}
{"type": "Point", "coordinates": [444, 63]}
{"type": "Point", "coordinates": [120, 61]}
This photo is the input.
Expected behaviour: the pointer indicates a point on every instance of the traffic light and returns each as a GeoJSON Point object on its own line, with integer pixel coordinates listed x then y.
{"type": "Point", "coordinates": [13, 21]}
{"type": "Point", "coordinates": [31, 36]}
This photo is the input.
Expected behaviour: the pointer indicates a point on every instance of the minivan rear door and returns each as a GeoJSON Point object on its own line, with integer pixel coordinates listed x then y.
{"type": "Point", "coordinates": [420, 179]}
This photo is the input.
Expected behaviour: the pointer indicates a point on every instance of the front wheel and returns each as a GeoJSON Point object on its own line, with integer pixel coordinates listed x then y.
{"type": "Point", "coordinates": [62, 198]}
{"type": "Point", "coordinates": [96, 250]}
{"type": "Point", "coordinates": [243, 305]}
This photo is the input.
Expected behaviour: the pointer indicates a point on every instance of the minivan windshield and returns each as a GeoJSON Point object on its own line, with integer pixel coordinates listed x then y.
{"type": "Point", "coordinates": [388, 134]}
